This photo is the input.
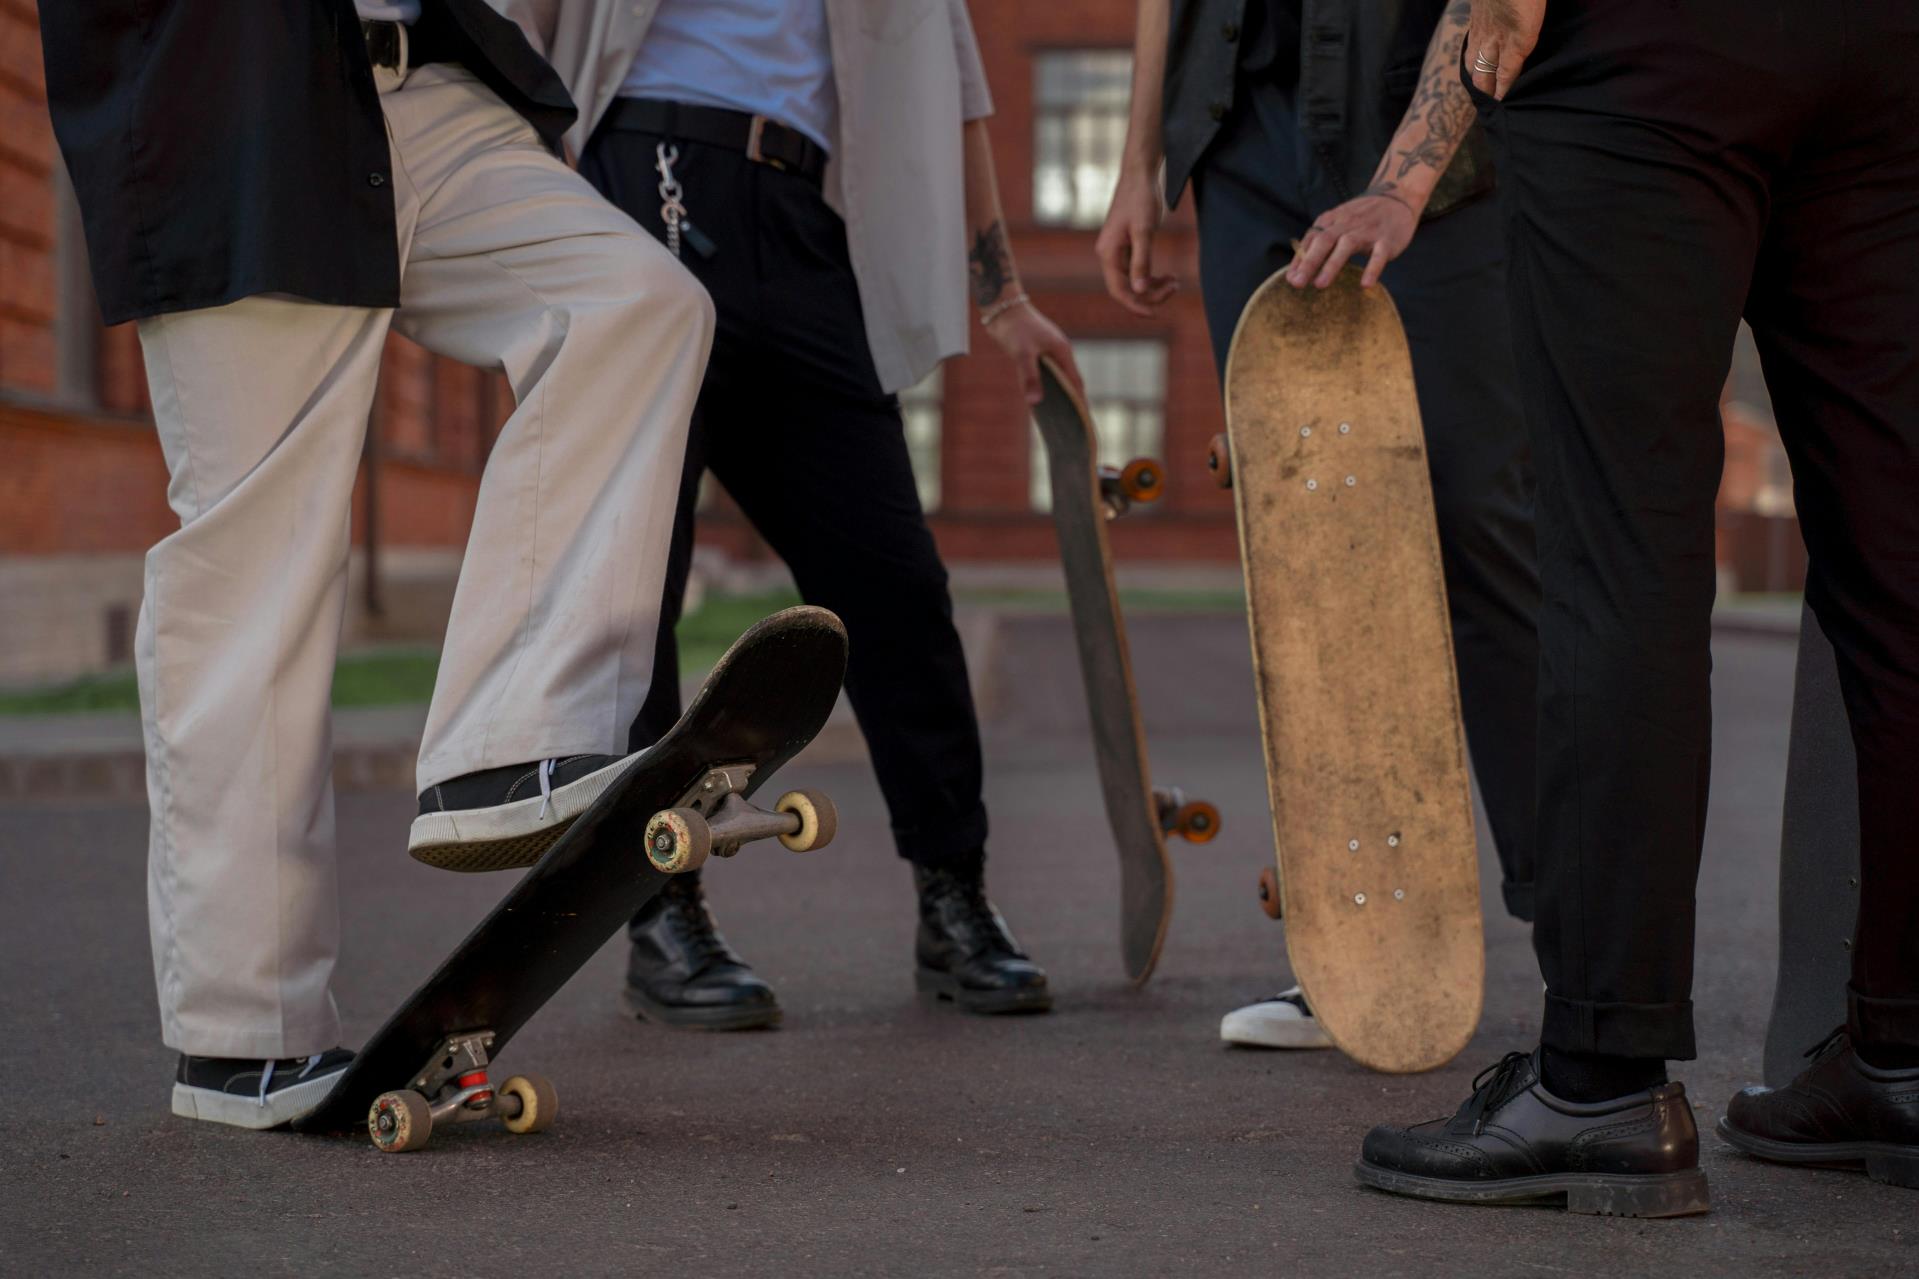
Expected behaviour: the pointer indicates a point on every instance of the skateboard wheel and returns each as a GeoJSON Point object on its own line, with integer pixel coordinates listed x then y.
{"type": "Point", "coordinates": [1143, 480]}
{"type": "Point", "coordinates": [1269, 893]}
{"type": "Point", "coordinates": [399, 1121]}
{"type": "Point", "coordinates": [1219, 461]}
{"type": "Point", "coordinates": [819, 820]}
{"type": "Point", "coordinates": [1196, 822]}
{"type": "Point", "coordinates": [678, 840]}
{"type": "Point", "coordinates": [539, 1103]}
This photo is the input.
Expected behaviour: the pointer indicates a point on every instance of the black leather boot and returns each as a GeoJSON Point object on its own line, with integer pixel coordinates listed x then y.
{"type": "Point", "coordinates": [1839, 1110]}
{"type": "Point", "coordinates": [964, 951]}
{"type": "Point", "coordinates": [682, 973]}
{"type": "Point", "coordinates": [1513, 1142]}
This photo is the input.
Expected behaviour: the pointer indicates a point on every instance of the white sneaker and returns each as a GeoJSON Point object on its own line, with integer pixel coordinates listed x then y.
{"type": "Point", "coordinates": [1284, 1021]}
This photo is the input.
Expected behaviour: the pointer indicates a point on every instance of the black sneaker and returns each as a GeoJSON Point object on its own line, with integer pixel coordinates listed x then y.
{"type": "Point", "coordinates": [500, 818]}
{"type": "Point", "coordinates": [250, 1093]}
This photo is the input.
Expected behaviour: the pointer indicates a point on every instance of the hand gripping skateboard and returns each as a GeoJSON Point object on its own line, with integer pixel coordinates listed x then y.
{"type": "Point", "coordinates": [1353, 658]}
{"type": "Point", "coordinates": [683, 800]}
{"type": "Point", "coordinates": [1085, 496]}
{"type": "Point", "coordinates": [1818, 864]}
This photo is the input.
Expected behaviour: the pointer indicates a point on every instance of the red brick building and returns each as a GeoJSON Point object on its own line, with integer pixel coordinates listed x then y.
{"type": "Point", "coordinates": [83, 492]}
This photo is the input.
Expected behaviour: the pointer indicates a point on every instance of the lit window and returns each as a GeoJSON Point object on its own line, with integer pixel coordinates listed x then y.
{"type": "Point", "coordinates": [1126, 391]}
{"type": "Point", "coordinates": [1080, 103]}
{"type": "Point", "coordinates": [920, 410]}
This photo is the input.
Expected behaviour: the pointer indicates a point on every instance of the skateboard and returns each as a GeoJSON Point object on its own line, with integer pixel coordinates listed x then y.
{"type": "Point", "coordinates": [1377, 869]}
{"type": "Point", "coordinates": [1818, 864]}
{"type": "Point", "coordinates": [682, 801]}
{"type": "Point", "coordinates": [1085, 496]}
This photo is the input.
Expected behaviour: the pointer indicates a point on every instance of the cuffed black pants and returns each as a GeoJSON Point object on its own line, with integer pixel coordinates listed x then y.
{"type": "Point", "coordinates": [1258, 188]}
{"type": "Point", "coordinates": [792, 420]}
{"type": "Point", "coordinates": [1663, 169]}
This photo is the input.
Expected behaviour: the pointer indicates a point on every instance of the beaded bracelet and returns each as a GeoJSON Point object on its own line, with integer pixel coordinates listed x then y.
{"type": "Point", "coordinates": [1001, 307]}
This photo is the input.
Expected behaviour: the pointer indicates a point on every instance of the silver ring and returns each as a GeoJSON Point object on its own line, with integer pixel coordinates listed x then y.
{"type": "Point", "coordinates": [1484, 65]}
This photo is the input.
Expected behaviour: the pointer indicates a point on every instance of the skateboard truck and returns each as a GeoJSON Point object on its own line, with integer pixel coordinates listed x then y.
{"type": "Point", "coordinates": [714, 819]}
{"type": "Point", "coordinates": [1140, 480]}
{"type": "Point", "coordinates": [1193, 820]}
{"type": "Point", "coordinates": [453, 1088]}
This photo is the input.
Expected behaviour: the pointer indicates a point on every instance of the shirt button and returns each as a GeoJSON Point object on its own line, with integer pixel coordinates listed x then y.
{"type": "Point", "coordinates": [1217, 110]}
{"type": "Point", "coordinates": [376, 179]}
{"type": "Point", "coordinates": [1230, 31]}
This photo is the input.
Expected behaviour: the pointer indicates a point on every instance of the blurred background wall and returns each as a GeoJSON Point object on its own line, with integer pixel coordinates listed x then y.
{"type": "Point", "coordinates": [82, 487]}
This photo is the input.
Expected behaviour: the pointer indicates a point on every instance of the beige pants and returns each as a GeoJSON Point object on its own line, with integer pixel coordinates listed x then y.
{"type": "Point", "coordinates": [509, 261]}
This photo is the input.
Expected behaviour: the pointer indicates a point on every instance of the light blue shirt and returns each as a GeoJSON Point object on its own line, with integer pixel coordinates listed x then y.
{"type": "Point", "coordinates": [767, 57]}
{"type": "Point", "coordinates": [388, 10]}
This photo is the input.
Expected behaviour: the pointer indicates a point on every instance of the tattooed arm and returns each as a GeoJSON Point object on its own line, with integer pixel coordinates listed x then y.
{"type": "Point", "coordinates": [993, 278]}
{"type": "Point", "coordinates": [1380, 222]}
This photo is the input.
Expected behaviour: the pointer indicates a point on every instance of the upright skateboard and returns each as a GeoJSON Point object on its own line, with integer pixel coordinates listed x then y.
{"type": "Point", "coordinates": [684, 800]}
{"type": "Point", "coordinates": [1818, 864]}
{"type": "Point", "coordinates": [1085, 496]}
{"type": "Point", "coordinates": [1378, 876]}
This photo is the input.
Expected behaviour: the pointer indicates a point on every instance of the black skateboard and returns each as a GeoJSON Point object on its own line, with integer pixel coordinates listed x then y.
{"type": "Point", "coordinates": [683, 800]}
{"type": "Point", "coordinates": [1818, 864]}
{"type": "Point", "coordinates": [1085, 496]}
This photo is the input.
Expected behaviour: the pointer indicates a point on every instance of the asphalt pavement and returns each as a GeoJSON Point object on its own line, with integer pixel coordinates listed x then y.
{"type": "Point", "coordinates": [872, 1133]}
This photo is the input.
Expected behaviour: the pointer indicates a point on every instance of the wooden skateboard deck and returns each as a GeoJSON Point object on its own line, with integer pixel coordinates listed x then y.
{"type": "Point", "coordinates": [1818, 864]}
{"type": "Point", "coordinates": [762, 703]}
{"type": "Point", "coordinates": [1352, 654]}
{"type": "Point", "coordinates": [1085, 496]}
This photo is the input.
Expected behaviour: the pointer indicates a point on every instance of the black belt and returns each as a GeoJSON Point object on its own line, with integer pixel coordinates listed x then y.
{"type": "Point", "coordinates": [383, 44]}
{"type": "Point", "coordinates": [760, 139]}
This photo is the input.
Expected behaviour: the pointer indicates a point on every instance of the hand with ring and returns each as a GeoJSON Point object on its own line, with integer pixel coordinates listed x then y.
{"type": "Point", "coordinates": [1501, 38]}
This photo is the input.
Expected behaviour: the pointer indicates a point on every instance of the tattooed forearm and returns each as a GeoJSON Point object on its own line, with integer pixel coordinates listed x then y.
{"type": "Point", "coordinates": [989, 265]}
{"type": "Point", "coordinates": [1437, 118]}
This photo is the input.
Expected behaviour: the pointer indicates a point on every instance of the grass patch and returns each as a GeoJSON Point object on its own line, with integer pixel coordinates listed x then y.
{"type": "Point", "coordinates": [1132, 600]}
{"type": "Point", "coordinates": [399, 676]}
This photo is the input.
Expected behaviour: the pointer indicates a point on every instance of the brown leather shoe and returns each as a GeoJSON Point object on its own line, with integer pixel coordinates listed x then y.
{"type": "Point", "coordinates": [1512, 1142]}
{"type": "Point", "coordinates": [1840, 1110]}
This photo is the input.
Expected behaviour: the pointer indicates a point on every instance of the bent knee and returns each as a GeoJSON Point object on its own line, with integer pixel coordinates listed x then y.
{"type": "Point", "coordinates": [642, 282]}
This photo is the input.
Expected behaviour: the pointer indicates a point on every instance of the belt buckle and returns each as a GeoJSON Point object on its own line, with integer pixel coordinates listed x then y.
{"type": "Point", "coordinates": [753, 152]}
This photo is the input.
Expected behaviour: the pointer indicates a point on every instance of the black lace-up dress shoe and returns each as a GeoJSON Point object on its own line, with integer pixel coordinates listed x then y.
{"type": "Point", "coordinates": [681, 972]}
{"type": "Point", "coordinates": [1513, 1142]}
{"type": "Point", "coordinates": [1840, 1110]}
{"type": "Point", "coordinates": [966, 954]}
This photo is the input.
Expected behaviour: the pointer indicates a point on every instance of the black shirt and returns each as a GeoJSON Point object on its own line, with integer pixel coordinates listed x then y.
{"type": "Point", "coordinates": [226, 148]}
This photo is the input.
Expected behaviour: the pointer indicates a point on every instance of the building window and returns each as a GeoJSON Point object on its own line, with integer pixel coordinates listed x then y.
{"type": "Point", "coordinates": [1080, 102]}
{"type": "Point", "coordinates": [1126, 391]}
{"type": "Point", "coordinates": [920, 409]}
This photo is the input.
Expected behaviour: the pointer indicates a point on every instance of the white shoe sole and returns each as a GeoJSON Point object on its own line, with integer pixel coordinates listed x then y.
{"type": "Point", "coordinates": [507, 836]}
{"type": "Point", "coordinates": [1296, 1033]}
{"type": "Point", "coordinates": [242, 1111]}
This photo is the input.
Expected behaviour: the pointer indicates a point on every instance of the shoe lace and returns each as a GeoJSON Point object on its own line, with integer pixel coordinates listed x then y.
{"type": "Point", "coordinates": [546, 787]}
{"type": "Point", "coordinates": [968, 910]}
{"type": "Point", "coordinates": [266, 1073]}
{"type": "Point", "coordinates": [1493, 1086]}
{"type": "Point", "coordinates": [687, 900]}
{"type": "Point", "coordinates": [1819, 1050]}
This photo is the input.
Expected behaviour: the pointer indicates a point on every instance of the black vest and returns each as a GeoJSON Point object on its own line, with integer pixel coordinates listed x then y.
{"type": "Point", "coordinates": [1358, 65]}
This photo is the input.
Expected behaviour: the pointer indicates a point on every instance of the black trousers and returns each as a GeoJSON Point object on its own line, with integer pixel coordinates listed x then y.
{"type": "Point", "coordinates": [1665, 169]}
{"type": "Point", "coordinates": [792, 420]}
{"type": "Point", "coordinates": [1258, 188]}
